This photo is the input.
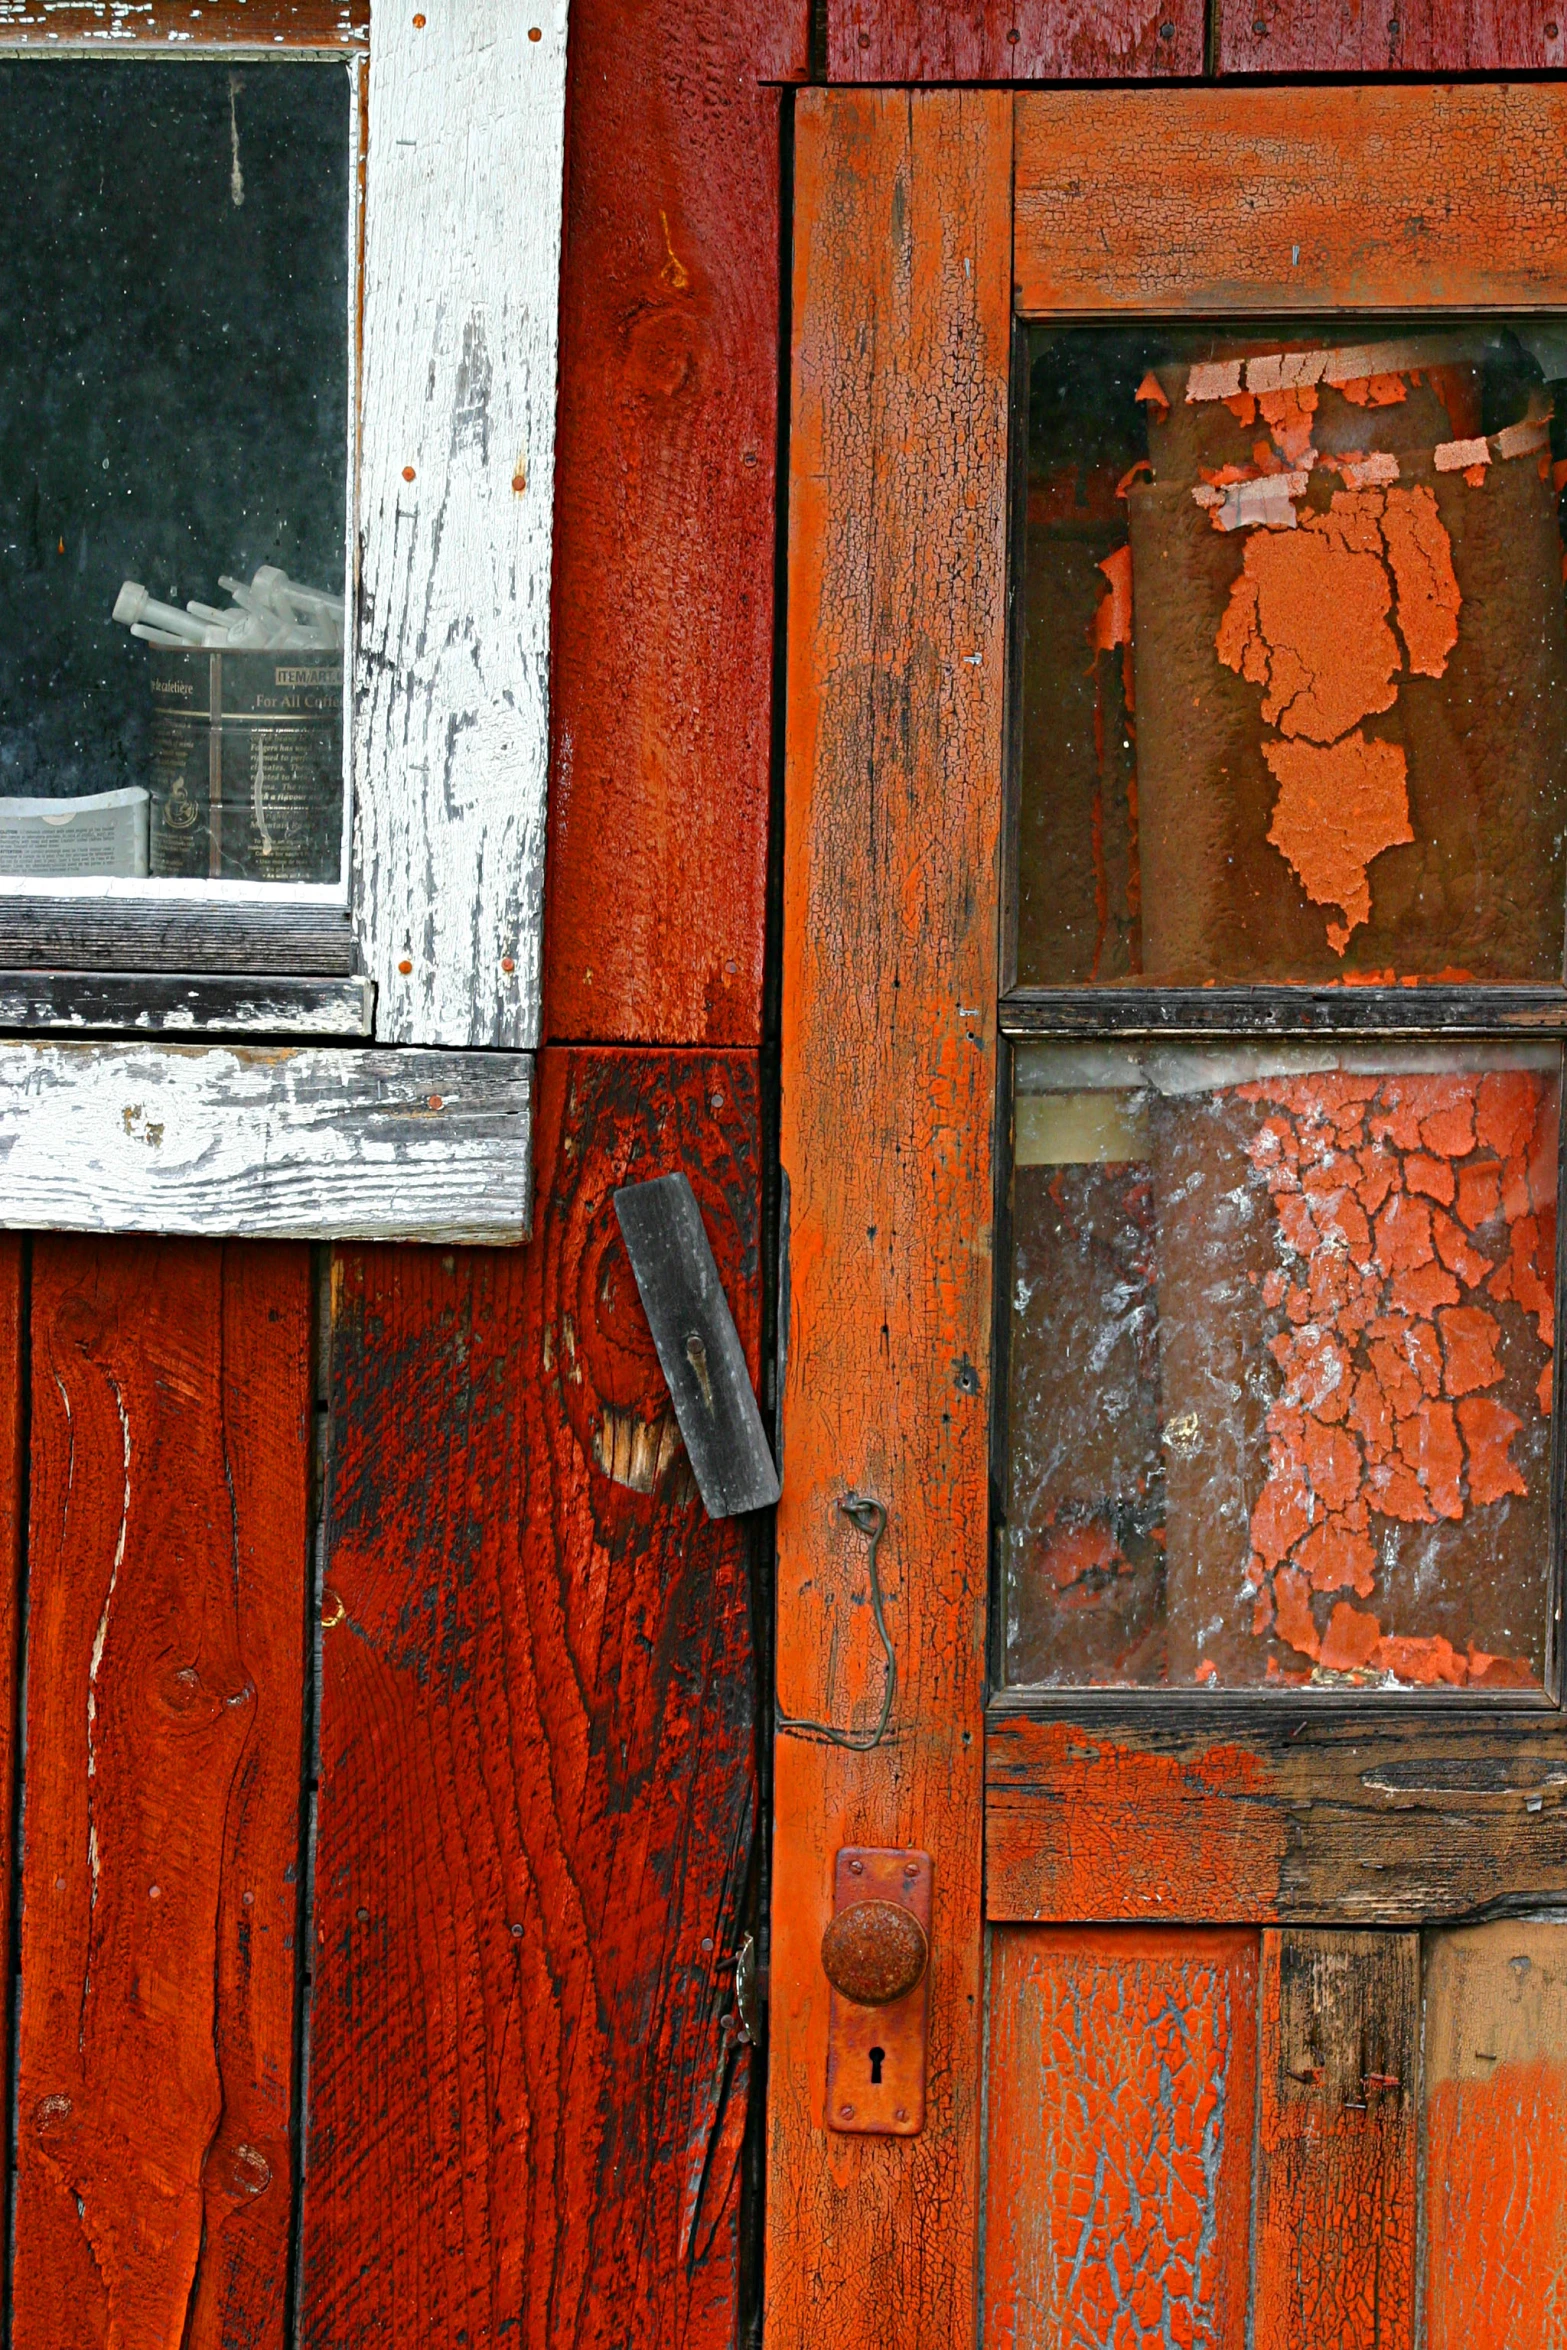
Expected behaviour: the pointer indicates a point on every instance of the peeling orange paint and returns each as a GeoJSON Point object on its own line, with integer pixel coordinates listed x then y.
{"type": "Point", "coordinates": [1386, 1352]}
{"type": "Point", "coordinates": [1309, 619]}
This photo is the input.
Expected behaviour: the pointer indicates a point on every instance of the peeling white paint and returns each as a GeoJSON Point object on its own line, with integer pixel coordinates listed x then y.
{"type": "Point", "coordinates": [461, 294]}
{"type": "Point", "coordinates": [304, 1142]}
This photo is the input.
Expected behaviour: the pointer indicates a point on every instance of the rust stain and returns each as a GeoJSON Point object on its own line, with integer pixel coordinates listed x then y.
{"type": "Point", "coordinates": [1311, 620]}
{"type": "Point", "coordinates": [1387, 1353]}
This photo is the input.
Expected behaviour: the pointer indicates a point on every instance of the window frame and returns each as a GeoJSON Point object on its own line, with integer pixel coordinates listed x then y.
{"type": "Point", "coordinates": [435, 949]}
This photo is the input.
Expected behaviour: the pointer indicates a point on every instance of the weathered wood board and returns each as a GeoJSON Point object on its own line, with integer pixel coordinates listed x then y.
{"type": "Point", "coordinates": [896, 641]}
{"type": "Point", "coordinates": [1338, 2078]}
{"type": "Point", "coordinates": [1274, 1812]}
{"type": "Point", "coordinates": [537, 1779]}
{"type": "Point", "coordinates": [1495, 2083]}
{"type": "Point", "coordinates": [665, 555]}
{"type": "Point", "coordinates": [137, 935]}
{"type": "Point", "coordinates": [274, 1142]}
{"type": "Point", "coordinates": [103, 26]}
{"type": "Point", "coordinates": [456, 473]}
{"type": "Point", "coordinates": [1390, 36]}
{"type": "Point", "coordinates": [1292, 202]}
{"type": "Point", "coordinates": [157, 1003]}
{"type": "Point", "coordinates": [161, 1880]}
{"type": "Point", "coordinates": [1122, 2092]}
{"type": "Point", "coordinates": [1012, 40]}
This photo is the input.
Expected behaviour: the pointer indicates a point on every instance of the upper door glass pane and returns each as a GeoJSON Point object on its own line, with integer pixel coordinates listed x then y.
{"type": "Point", "coordinates": [1294, 698]}
{"type": "Point", "coordinates": [173, 469]}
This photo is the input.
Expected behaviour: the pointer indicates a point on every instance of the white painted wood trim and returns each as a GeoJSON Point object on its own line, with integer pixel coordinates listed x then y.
{"type": "Point", "coordinates": [455, 498]}
{"type": "Point", "coordinates": [288, 1143]}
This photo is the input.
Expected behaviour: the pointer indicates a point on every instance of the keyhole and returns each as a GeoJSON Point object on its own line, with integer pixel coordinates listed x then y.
{"type": "Point", "coordinates": [877, 2057]}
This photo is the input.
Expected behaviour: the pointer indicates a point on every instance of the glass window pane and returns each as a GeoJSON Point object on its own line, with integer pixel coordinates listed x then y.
{"type": "Point", "coordinates": [173, 417]}
{"type": "Point", "coordinates": [1281, 1357]}
{"type": "Point", "coordinates": [1294, 695]}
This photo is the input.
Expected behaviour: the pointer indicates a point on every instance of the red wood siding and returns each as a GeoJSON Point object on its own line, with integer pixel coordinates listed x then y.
{"type": "Point", "coordinates": [161, 1879]}
{"type": "Point", "coordinates": [1012, 40]}
{"type": "Point", "coordinates": [1367, 37]}
{"type": "Point", "coordinates": [537, 1792]}
{"type": "Point", "coordinates": [664, 552]}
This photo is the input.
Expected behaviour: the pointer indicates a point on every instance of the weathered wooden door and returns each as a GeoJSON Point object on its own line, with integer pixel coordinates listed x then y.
{"type": "Point", "coordinates": [1171, 1017]}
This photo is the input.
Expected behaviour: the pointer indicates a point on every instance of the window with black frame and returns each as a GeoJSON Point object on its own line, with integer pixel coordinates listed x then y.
{"type": "Point", "coordinates": [1292, 844]}
{"type": "Point", "coordinates": [174, 437]}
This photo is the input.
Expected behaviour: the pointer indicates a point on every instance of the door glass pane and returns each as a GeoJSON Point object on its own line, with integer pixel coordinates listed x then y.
{"type": "Point", "coordinates": [173, 469]}
{"type": "Point", "coordinates": [1281, 1356]}
{"type": "Point", "coordinates": [1294, 696]}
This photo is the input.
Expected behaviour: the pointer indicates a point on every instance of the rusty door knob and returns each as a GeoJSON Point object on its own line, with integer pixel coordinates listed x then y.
{"type": "Point", "coordinates": [874, 1952]}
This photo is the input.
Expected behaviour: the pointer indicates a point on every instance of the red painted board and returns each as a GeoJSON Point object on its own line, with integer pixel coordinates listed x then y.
{"type": "Point", "coordinates": [13, 1472]}
{"type": "Point", "coordinates": [664, 519]}
{"type": "Point", "coordinates": [1122, 2090]}
{"type": "Point", "coordinates": [1391, 36]}
{"type": "Point", "coordinates": [537, 1788]}
{"type": "Point", "coordinates": [160, 1883]}
{"type": "Point", "coordinates": [1012, 40]}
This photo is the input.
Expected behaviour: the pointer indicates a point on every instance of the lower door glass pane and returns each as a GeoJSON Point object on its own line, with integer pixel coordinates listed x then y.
{"type": "Point", "coordinates": [1281, 1362]}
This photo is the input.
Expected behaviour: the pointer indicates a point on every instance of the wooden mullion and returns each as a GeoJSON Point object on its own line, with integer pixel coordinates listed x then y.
{"type": "Point", "coordinates": [1405, 1012]}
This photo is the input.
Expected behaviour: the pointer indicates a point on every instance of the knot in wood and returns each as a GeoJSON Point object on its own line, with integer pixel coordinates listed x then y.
{"type": "Point", "coordinates": [874, 1952]}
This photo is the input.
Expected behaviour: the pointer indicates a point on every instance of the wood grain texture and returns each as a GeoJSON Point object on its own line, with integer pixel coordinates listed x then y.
{"type": "Point", "coordinates": [1275, 1811]}
{"type": "Point", "coordinates": [456, 490]}
{"type": "Point", "coordinates": [135, 935]}
{"type": "Point", "coordinates": [537, 1780]}
{"type": "Point", "coordinates": [665, 519]}
{"type": "Point", "coordinates": [303, 1141]}
{"type": "Point", "coordinates": [1291, 200]}
{"type": "Point", "coordinates": [13, 1494]}
{"type": "Point", "coordinates": [896, 641]}
{"type": "Point", "coordinates": [1012, 40]}
{"type": "Point", "coordinates": [160, 1884]}
{"type": "Point", "coordinates": [154, 1003]}
{"type": "Point", "coordinates": [1122, 2075]}
{"type": "Point", "coordinates": [110, 25]}
{"type": "Point", "coordinates": [1496, 2130]}
{"type": "Point", "coordinates": [1390, 36]}
{"type": "Point", "coordinates": [1335, 2231]}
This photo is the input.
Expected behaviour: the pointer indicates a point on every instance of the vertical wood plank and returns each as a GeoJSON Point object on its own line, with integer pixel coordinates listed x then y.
{"type": "Point", "coordinates": [1012, 40]}
{"type": "Point", "coordinates": [1496, 2138]}
{"type": "Point", "coordinates": [1122, 2098]}
{"type": "Point", "coordinates": [13, 1490]}
{"type": "Point", "coordinates": [456, 488]}
{"type": "Point", "coordinates": [160, 1884]}
{"type": "Point", "coordinates": [1335, 2229]}
{"type": "Point", "coordinates": [665, 519]}
{"type": "Point", "coordinates": [1390, 36]}
{"type": "Point", "coordinates": [897, 567]}
{"type": "Point", "coordinates": [537, 1780]}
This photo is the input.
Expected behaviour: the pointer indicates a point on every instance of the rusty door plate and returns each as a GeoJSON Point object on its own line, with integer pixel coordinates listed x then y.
{"type": "Point", "coordinates": [876, 2055]}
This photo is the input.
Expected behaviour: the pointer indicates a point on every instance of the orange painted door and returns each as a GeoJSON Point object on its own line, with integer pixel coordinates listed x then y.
{"type": "Point", "coordinates": [1169, 1548]}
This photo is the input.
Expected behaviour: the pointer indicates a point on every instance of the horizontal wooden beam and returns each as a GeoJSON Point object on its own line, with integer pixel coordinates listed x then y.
{"type": "Point", "coordinates": [151, 1003]}
{"type": "Point", "coordinates": [302, 1142]}
{"type": "Point", "coordinates": [1285, 1011]}
{"type": "Point", "coordinates": [143, 934]}
{"type": "Point", "coordinates": [1211, 1813]}
{"type": "Point", "coordinates": [1228, 202]}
